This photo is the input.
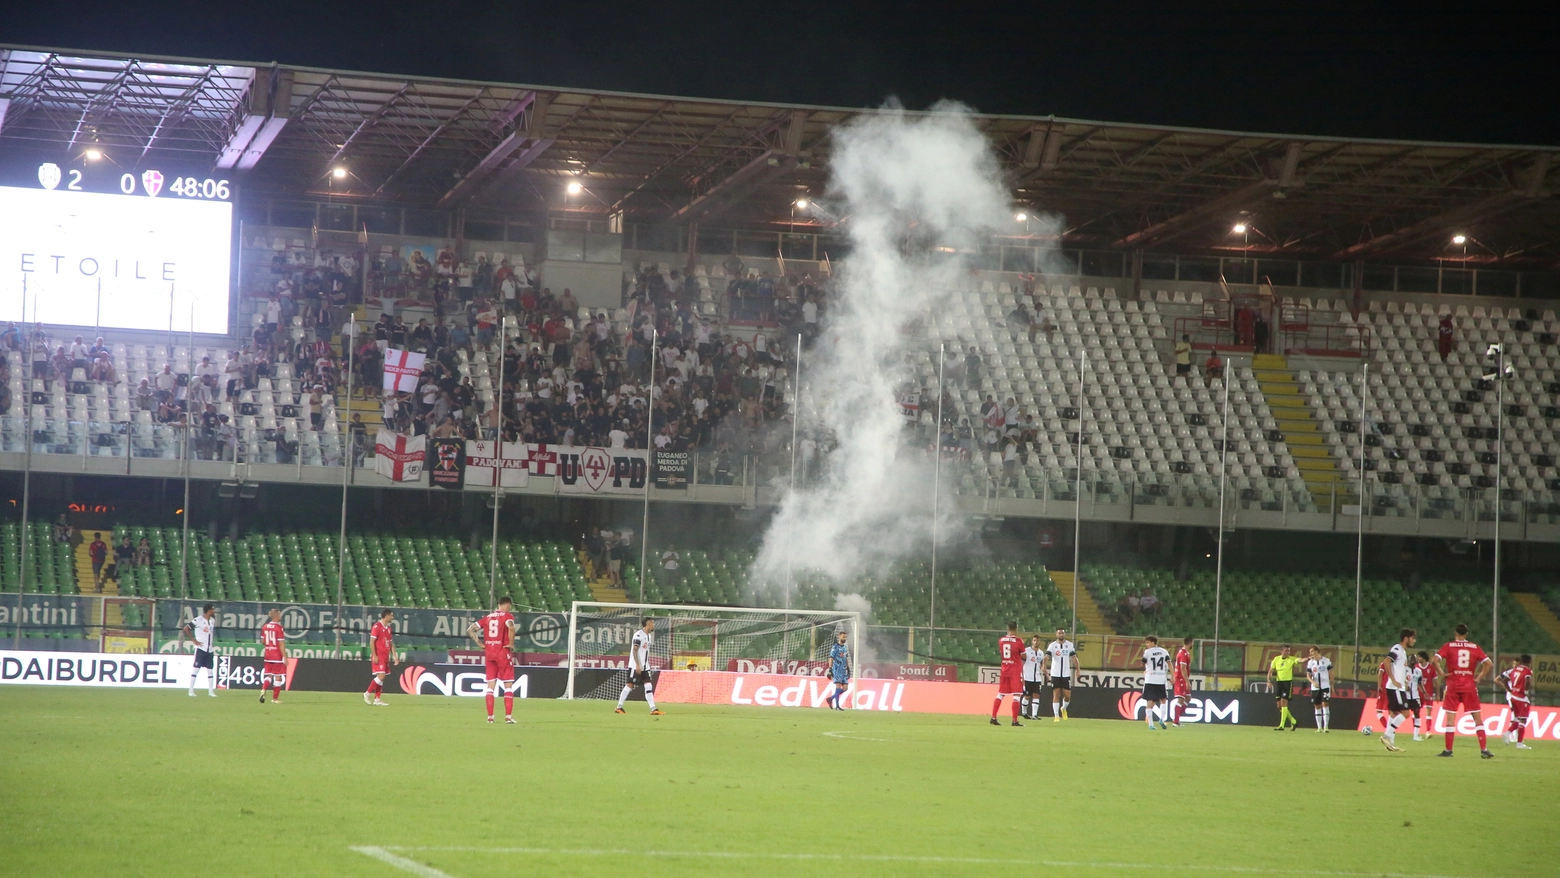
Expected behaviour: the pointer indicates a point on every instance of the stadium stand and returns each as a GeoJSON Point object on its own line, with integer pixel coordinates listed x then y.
{"type": "Point", "coordinates": [55, 571]}
{"type": "Point", "coordinates": [1308, 608]}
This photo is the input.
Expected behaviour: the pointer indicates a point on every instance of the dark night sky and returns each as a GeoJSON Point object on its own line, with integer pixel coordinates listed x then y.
{"type": "Point", "coordinates": [1352, 69]}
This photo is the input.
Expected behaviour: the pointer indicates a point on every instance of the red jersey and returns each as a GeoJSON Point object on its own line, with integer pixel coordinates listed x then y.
{"type": "Point", "coordinates": [1381, 682]}
{"type": "Point", "coordinates": [496, 636]}
{"type": "Point", "coordinates": [1516, 680]}
{"type": "Point", "coordinates": [1428, 673]}
{"type": "Point", "coordinates": [273, 637]}
{"type": "Point", "coordinates": [1462, 659]}
{"type": "Point", "coordinates": [1183, 665]}
{"type": "Point", "coordinates": [383, 640]}
{"type": "Point", "coordinates": [1011, 649]}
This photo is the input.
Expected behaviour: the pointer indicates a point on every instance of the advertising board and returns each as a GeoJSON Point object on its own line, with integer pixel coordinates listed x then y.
{"type": "Point", "coordinates": [28, 668]}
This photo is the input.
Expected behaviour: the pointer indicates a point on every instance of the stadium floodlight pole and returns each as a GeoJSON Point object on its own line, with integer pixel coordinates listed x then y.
{"type": "Point", "coordinates": [1218, 564]}
{"type": "Point", "coordinates": [1083, 364]}
{"type": "Point", "coordinates": [21, 587]}
{"type": "Point", "coordinates": [498, 469]}
{"type": "Point", "coordinates": [347, 462]}
{"type": "Point", "coordinates": [189, 426]}
{"type": "Point", "coordinates": [644, 530]}
{"type": "Point", "coordinates": [796, 417]}
{"type": "Point", "coordinates": [931, 624]}
{"type": "Point", "coordinates": [1359, 543]}
{"type": "Point", "coordinates": [1500, 423]}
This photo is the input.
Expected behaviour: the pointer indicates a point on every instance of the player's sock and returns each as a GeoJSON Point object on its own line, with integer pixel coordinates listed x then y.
{"type": "Point", "coordinates": [276, 691]}
{"type": "Point", "coordinates": [1015, 710]}
{"type": "Point", "coordinates": [1450, 738]}
{"type": "Point", "coordinates": [1327, 717]}
{"type": "Point", "coordinates": [623, 696]}
{"type": "Point", "coordinates": [1483, 744]}
{"type": "Point", "coordinates": [489, 700]}
{"type": "Point", "coordinates": [1056, 709]}
{"type": "Point", "coordinates": [1065, 702]}
{"type": "Point", "coordinates": [996, 706]}
{"type": "Point", "coordinates": [509, 703]}
{"type": "Point", "coordinates": [1521, 732]}
{"type": "Point", "coordinates": [1392, 724]}
{"type": "Point", "coordinates": [650, 695]}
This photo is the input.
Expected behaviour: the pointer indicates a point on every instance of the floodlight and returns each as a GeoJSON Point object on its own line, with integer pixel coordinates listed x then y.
{"type": "Point", "coordinates": [801, 204]}
{"type": "Point", "coordinates": [574, 187]}
{"type": "Point", "coordinates": [1459, 239]}
{"type": "Point", "coordinates": [93, 154]}
{"type": "Point", "coordinates": [1240, 229]}
{"type": "Point", "coordinates": [339, 173]}
{"type": "Point", "coordinates": [1020, 216]}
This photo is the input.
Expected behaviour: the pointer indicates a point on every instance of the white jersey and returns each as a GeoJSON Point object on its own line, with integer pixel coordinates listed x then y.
{"type": "Point", "coordinates": [1156, 666]}
{"type": "Point", "coordinates": [1397, 670]}
{"type": "Point", "coordinates": [1034, 665]}
{"type": "Point", "coordinates": [1320, 671]}
{"type": "Point", "coordinates": [1416, 680]}
{"type": "Point", "coordinates": [639, 652]}
{"type": "Point", "coordinates": [203, 630]}
{"type": "Point", "coordinates": [1062, 653]}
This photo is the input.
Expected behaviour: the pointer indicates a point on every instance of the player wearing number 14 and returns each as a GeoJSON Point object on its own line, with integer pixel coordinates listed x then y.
{"type": "Point", "coordinates": [1156, 674]}
{"type": "Point", "coordinates": [273, 639]}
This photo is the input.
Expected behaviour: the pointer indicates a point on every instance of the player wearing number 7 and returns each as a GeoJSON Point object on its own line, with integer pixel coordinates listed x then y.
{"type": "Point", "coordinates": [496, 633]}
{"type": "Point", "coordinates": [1463, 665]}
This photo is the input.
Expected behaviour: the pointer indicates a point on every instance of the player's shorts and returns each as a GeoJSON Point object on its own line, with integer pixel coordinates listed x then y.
{"type": "Point", "coordinates": [1461, 699]}
{"type": "Point", "coordinates": [1520, 710]}
{"type": "Point", "coordinates": [1414, 705]}
{"type": "Point", "coordinates": [639, 678]}
{"type": "Point", "coordinates": [1153, 692]}
{"type": "Point", "coordinates": [1182, 688]}
{"type": "Point", "coordinates": [1397, 701]}
{"type": "Point", "coordinates": [204, 658]}
{"type": "Point", "coordinates": [1320, 696]}
{"type": "Point", "coordinates": [1283, 688]}
{"type": "Point", "coordinates": [1033, 687]}
{"type": "Point", "coordinates": [275, 669]}
{"type": "Point", "coordinates": [1011, 682]}
{"type": "Point", "coordinates": [380, 665]}
{"type": "Point", "coordinates": [1061, 683]}
{"type": "Point", "coordinates": [840, 679]}
{"type": "Point", "coordinates": [498, 666]}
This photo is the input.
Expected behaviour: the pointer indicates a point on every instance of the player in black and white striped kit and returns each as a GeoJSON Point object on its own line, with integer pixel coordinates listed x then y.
{"type": "Point", "coordinates": [1034, 678]}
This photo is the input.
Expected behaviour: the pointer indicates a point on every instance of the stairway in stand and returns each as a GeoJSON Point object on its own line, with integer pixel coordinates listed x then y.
{"type": "Point", "coordinates": [1545, 617]}
{"type": "Point", "coordinates": [600, 585]}
{"type": "Point", "coordinates": [1091, 619]}
{"type": "Point", "coordinates": [1297, 422]}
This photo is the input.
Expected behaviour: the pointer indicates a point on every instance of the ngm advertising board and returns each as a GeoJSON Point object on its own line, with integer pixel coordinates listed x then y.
{"type": "Point", "coordinates": [104, 246]}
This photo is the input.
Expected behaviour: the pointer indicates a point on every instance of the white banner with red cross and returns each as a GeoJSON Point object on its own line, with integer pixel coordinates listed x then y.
{"type": "Point", "coordinates": [399, 457]}
{"type": "Point", "coordinates": [402, 369]}
{"type": "Point", "coordinates": [541, 459]}
{"type": "Point", "coordinates": [490, 463]}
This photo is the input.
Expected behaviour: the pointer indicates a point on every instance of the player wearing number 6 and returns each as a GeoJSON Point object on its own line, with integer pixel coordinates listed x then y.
{"type": "Point", "coordinates": [1464, 666]}
{"type": "Point", "coordinates": [496, 633]}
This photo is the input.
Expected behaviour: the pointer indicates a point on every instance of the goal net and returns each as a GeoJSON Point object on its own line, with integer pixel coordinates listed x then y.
{"type": "Point", "coordinates": [748, 639]}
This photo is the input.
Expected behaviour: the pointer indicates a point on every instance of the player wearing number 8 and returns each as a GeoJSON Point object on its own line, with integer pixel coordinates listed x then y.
{"type": "Point", "coordinates": [496, 633]}
{"type": "Point", "coordinates": [1463, 665]}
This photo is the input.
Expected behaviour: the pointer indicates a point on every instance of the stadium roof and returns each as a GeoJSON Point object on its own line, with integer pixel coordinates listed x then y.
{"type": "Point", "coordinates": [446, 143]}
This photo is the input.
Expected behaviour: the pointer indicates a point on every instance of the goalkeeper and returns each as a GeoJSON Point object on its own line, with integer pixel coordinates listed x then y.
{"type": "Point", "coordinates": [839, 669]}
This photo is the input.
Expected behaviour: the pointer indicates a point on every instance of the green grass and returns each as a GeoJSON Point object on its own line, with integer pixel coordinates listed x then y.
{"type": "Point", "coordinates": [104, 782]}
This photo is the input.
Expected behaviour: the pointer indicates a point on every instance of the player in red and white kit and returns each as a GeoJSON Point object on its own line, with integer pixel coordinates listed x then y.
{"type": "Point", "coordinates": [381, 646]}
{"type": "Point", "coordinates": [1516, 680]}
{"type": "Point", "coordinates": [1181, 680]}
{"type": "Point", "coordinates": [1427, 678]}
{"type": "Point", "coordinates": [1464, 666]}
{"type": "Point", "coordinates": [496, 633]}
{"type": "Point", "coordinates": [273, 641]}
{"type": "Point", "coordinates": [1010, 649]}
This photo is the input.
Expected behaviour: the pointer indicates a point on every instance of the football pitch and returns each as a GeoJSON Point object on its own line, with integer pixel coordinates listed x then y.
{"type": "Point", "coordinates": [106, 782]}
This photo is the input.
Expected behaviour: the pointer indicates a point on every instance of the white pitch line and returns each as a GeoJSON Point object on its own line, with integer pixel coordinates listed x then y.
{"type": "Point", "coordinates": [402, 863]}
{"type": "Point", "coordinates": [847, 736]}
{"type": "Point", "coordinates": [879, 858]}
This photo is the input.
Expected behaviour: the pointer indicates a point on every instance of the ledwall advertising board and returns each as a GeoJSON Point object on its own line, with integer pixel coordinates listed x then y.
{"type": "Point", "coordinates": [84, 256]}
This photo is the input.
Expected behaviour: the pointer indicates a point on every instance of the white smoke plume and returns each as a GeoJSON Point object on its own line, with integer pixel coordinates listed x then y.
{"type": "Point", "coordinates": [918, 193]}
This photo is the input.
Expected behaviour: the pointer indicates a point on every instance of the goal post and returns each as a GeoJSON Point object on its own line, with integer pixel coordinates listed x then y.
{"type": "Point", "coordinates": [710, 638]}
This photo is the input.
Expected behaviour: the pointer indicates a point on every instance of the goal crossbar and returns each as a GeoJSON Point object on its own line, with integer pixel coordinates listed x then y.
{"type": "Point", "coordinates": [695, 613]}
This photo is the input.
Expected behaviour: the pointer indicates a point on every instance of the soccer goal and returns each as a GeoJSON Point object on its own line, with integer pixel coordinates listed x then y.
{"type": "Point", "coordinates": [706, 638]}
